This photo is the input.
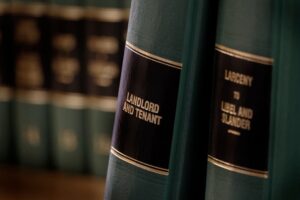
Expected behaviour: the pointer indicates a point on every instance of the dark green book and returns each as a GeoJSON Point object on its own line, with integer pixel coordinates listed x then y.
{"type": "Point", "coordinates": [31, 66]}
{"type": "Point", "coordinates": [139, 160]}
{"type": "Point", "coordinates": [68, 100]}
{"type": "Point", "coordinates": [285, 110]}
{"type": "Point", "coordinates": [238, 148]}
{"type": "Point", "coordinates": [105, 25]}
{"type": "Point", "coordinates": [189, 147]}
{"type": "Point", "coordinates": [5, 90]}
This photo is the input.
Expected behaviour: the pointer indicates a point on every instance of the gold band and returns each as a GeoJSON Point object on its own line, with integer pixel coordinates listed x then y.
{"type": "Point", "coordinates": [32, 96]}
{"type": "Point", "coordinates": [107, 104]}
{"type": "Point", "coordinates": [153, 57]}
{"type": "Point", "coordinates": [243, 55]}
{"type": "Point", "coordinates": [139, 164]}
{"type": "Point", "coordinates": [6, 93]}
{"type": "Point", "coordinates": [107, 14]}
{"type": "Point", "coordinates": [66, 12]}
{"type": "Point", "coordinates": [4, 7]}
{"type": "Point", "coordinates": [34, 9]}
{"type": "Point", "coordinates": [68, 100]}
{"type": "Point", "coordinates": [237, 169]}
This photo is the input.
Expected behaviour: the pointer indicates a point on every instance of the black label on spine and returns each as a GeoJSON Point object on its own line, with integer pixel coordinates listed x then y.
{"type": "Point", "coordinates": [31, 51]}
{"type": "Point", "coordinates": [105, 44]}
{"type": "Point", "coordinates": [146, 111]}
{"type": "Point", "coordinates": [241, 111]}
{"type": "Point", "coordinates": [67, 55]}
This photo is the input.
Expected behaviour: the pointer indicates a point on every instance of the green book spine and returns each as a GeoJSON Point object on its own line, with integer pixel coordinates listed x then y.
{"type": "Point", "coordinates": [68, 101]}
{"type": "Point", "coordinates": [105, 25]}
{"type": "Point", "coordinates": [139, 160]}
{"type": "Point", "coordinates": [31, 67]}
{"type": "Point", "coordinates": [238, 148]}
{"type": "Point", "coordinates": [285, 108]}
{"type": "Point", "coordinates": [189, 147]}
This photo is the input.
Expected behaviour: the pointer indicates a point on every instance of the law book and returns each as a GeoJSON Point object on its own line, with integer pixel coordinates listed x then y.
{"type": "Point", "coordinates": [238, 147]}
{"type": "Point", "coordinates": [105, 30]}
{"type": "Point", "coordinates": [142, 134]}
{"type": "Point", "coordinates": [189, 146]}
{"type": "Point", "coordinates": [285, 107]}
{"type": "Point", "coordinates": [6, 93]}
{"type": "Point", "coordinates": [31, 75]}
{"type": "Point", "coordinates": [67, 85]}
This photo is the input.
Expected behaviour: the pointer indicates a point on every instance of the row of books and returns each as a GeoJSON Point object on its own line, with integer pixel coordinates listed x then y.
{"type": "Point", "coordinates": [59, 77]}
{"type": "Point", "coordinates": [208, 104]}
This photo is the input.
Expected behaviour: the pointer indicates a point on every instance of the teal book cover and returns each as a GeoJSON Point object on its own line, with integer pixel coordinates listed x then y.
{"type": "Point", "coordinates": [189, 146]}
{"type": "Point", "coordinates": [284, 149]}
{"type": "Point", "coordinates": [238, 146]}
{"type": "Point", "coordinates": [142, 134]}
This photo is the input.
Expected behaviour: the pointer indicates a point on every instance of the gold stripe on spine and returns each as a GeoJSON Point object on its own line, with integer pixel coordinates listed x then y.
{"type": "Point", "coordinates": [107, 104]}
{"type": "Point", "coordinates": [68, 100]}
{"type": "Point", "coordinates": [33, 9]}
{"type": "Point", "coordinates": [153, 57]}
{"type": "Point", "coordinates": [6, 93]}
{"type": "Point", "coordinates": [32, 96]}
{"type": "Point", "coordinates": [107, 14]}
{"type": "Point", "coordinates": [3, 8]}
{"type": "Point", "coordinates": [237, 169]}
{"type": "Point", "coordinates": [66, 12]}
{"type": "Point", "coordinates": [139, 164]}
{"type": "Point", "coordinates": [244, 56]}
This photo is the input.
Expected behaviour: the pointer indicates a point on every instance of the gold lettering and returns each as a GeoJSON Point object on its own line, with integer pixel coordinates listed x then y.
{"type": "Point", "coordinates": [236, 95]}
{"type": "Point", "coordinates": [143, 109]}
{"type": "Point", "coordinates": [236, 121]}
{"type": "Point", "coordinates": [64, 42]}
{"type": "Point", "coordinates": [141, 103]}
{"type": "Point", "coordinates": [228, 107]}
{"type": "Point", "coordinates": [27, 32]}
{"type": "Point", "coordinates": [29, 71]}
{"type": "Point", "coordinates": [65, 69]}
{"type": "Point", "coordinates": [32, 135]}
{"type": "Point", "coordinates": [245, 112]}
{"type": "Point", "coordinates": [238, 78]}
{"type": "Point", "coordinates": [102, 144]}
{"type": "Point", "coordinates": [103, 72]}
{"type": "Point", "coordinates": [103, 44]}
{"type": "Point", "coordinates": [128, 108]}
{"type": "Point", "coordinates": [147, 116]}
{"type": "Point", "coordinates": [68, 140]}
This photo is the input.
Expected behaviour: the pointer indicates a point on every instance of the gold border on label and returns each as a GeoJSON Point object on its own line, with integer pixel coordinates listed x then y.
{"type": "Point", "coordinates": [107, 14]}
{"type": "Point", "coordinates": [66, 12]}
{"type": "Point", "coordinates": [139, 164]}
{"type": "Point", "coordinates": [102, 103]}
{"type": "Point", "coordinates": [34, 9]}
{"type": "Point", "coordinates": [153, 57]}
{"type": "Point", "coordinates": [68, 100]}
{"type": "Point", "coordinates": [32, 96]}
{"type": "Point", "coordinates": [233, 132]}
{"type": "Point", "coordinates": [238, 169]}
{"type": "Point", "coordinates": [6, 93]}
{"type": "Point", "coordinates": [243, 55]}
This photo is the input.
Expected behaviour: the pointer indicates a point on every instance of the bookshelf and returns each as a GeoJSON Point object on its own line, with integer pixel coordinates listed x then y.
{"type": "Point", "coordinates": [32, 184]}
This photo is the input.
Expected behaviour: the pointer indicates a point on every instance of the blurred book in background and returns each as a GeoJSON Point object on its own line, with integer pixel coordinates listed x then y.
{"type": "Point", "coordinates": [105, 29]}
{"type": "Point", "coordinates": [31, 66]}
